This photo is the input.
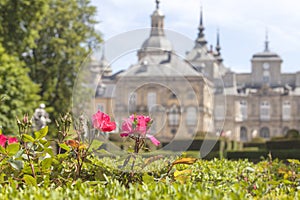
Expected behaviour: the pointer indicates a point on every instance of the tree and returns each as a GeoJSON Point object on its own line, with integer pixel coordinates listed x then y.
{"type": "Point", "coordinates": [64, 42]}
{"type": "Point", "coordinates": [20, 92]}
{"type": "Point", "coordinates": [47, 39]}
{"type": "Point", "coordinates": [19, 26]}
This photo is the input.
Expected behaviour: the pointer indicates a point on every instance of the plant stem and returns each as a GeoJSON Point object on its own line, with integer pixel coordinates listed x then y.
{"type": "Point", "coordinates": [30, 161]}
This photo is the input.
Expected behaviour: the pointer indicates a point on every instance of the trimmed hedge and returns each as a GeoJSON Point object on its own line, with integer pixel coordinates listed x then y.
{"type": "Point", "coordinates": [195, 145]}
{"type": "Point", "coordinates": [210, 156]}
{"type": "Point", "coordinates": [286, 154]}
{"type": "Point", "coordinates": [256, 156]}
{"type": "Point", "coordinates": [283, 144]}
{"type": "Point", "coordinates": [259, 145]}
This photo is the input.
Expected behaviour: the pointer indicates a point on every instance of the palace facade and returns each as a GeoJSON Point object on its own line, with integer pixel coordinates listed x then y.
{"type": "Point", "coordinates": [198, 94]}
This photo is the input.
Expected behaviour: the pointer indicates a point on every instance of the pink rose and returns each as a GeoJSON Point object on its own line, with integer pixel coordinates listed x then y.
{"type": "Point", "coordinates": [144, 123]}
{"type": "Point", "coordinates": [138, 124]}
{"type": "Point", "coordinates": [101, 121]}
{"type": "Point", "coordinates": [127, 127]}
{"type": "Point", "coordinates": [3, 140]}
{"type": "Point", "coordinates": [12, 140]}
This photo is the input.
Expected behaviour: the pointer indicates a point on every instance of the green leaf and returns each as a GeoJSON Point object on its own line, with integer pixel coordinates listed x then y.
{"type": "Point", "coordinates": [46, 163]}
{"type": "Point", "coordinates": [95, 145]}
{"type": "Point", "coordinates": [148, 179]}
{"type": "Point", "coordinates": [64, 146]}
{"type": "Point", "coordinates": [183, 176]}
{"type": "Point", "coordinates": [294, 161]}
{"type": "Point", "coordinates": [2, 150]}
{"type": "Point", "coordinates": [27, 138]}
{"type": "Point", "coordinates": [29, 180]}
{"type": "Point", "coordinates": [19, 153]}
{"type": "Point", "coordinates": [13, 148]}
{"type": "Point", "coordinates": [16, 164]}
{"type": "Point", "coordinates": [41, 133]}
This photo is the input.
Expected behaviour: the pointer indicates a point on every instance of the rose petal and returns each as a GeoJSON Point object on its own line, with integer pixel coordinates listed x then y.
{"type": "Point", "coordinates": [153, 139]}
{"type": "Point", "coordinates": [101, 121]}
{"type": "Point", "coordinates": [108, 126]}
{"type": "Point", "coordinates": [12, 140]}
{"type": "Point", "coordinates": [124, 134]}
{"type": "Point", "coordinates": [3, 140]}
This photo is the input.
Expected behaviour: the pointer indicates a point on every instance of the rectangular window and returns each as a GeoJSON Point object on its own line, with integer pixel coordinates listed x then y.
{"type": "Point", "coordinates": [151, 100]}
{"type": "Point", "coordinates": [244, 109]}
{"type": "Point", "coordinates": [132, 102]}
{"type": "Point", "coordinates": [219, 112]}
{"type": "Point", "coordinates": [191, 116]}
{"type": "Point", "coordinates": [286, 111]}
{"type": "Point", "coordinates": [173, 116]}
{"type": "Point", "coordinates": [100, 107]}
{"type": "Point", "coordinates": [265, 110]}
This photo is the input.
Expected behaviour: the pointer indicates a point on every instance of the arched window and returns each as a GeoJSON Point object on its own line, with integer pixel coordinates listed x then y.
{"type": "Point", "coordinates": [264, 132]}
{"type": "Point", "coordinates": [285, 130]}
{"type": "Point", "coordinates": [191, 116]}
{"type": "Point", "coordinates": [243, 134]}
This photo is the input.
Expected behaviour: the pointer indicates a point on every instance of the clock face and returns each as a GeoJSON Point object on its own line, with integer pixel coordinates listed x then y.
{"type": "Point", "coordinates": [266, 65]}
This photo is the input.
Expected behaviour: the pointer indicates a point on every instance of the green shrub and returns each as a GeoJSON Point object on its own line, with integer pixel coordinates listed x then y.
{"type": "Point", "coordinates": [194, 145]}
{"type": "Point", "coordinates": [256, 144]}
{"type": "Point", "coordinates": [283, 144]}
{"type": "Point", "coordinates": [250, 155]}
{"type": "Point", "coordinates": [292, 133]}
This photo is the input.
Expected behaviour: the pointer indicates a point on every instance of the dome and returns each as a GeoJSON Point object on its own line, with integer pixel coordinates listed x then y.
{"type": "Point", "coordinates": [157, 42]}
{"type": "Point", "coordinates": [157, 13]}
{"type": "Point", "coordinates": [266, 54]}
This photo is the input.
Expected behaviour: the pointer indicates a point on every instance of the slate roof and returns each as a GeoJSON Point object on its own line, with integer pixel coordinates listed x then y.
{"type": "Point", "coordinates": [164, 64]}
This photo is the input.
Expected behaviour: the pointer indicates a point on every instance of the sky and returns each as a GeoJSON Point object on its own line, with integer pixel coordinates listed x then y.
{"type": "Point", "coordinates": [242, 25]}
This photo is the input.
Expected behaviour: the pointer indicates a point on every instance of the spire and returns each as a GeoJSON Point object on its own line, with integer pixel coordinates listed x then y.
{"type": "Point", "coordinates": [201, 17]}
{"type": "Point", "coordinates": [201, 40]}
{"type": "Point", "coordinates": [105, 68]}
{"type": "Point", "coordinates": [218, 47]}
{"type": "Point", "coordinates": [157, 21]}
{"type": "Point", "coordinates": [217, 54]}
{"type": "Point", "coordinates": [157, 4]}
{"type": "Point", "coordinates": [267, 42]}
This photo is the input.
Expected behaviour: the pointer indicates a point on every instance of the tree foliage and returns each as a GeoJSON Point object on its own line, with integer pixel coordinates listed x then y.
{"type": "Point", "coordinates": [47, 40]}
{"type": "Point", "coordinates": [20, 92]}
{"type": "Point", "coordinates": [18, 30]}
{"type": "Point", "coordinates": [20, 23]}
{"type": "Point", "coordinates": [64, 42]}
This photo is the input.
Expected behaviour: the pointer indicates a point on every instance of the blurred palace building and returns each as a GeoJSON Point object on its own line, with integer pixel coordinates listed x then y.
{"type": "Point", "coordinates": [198, 94]}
